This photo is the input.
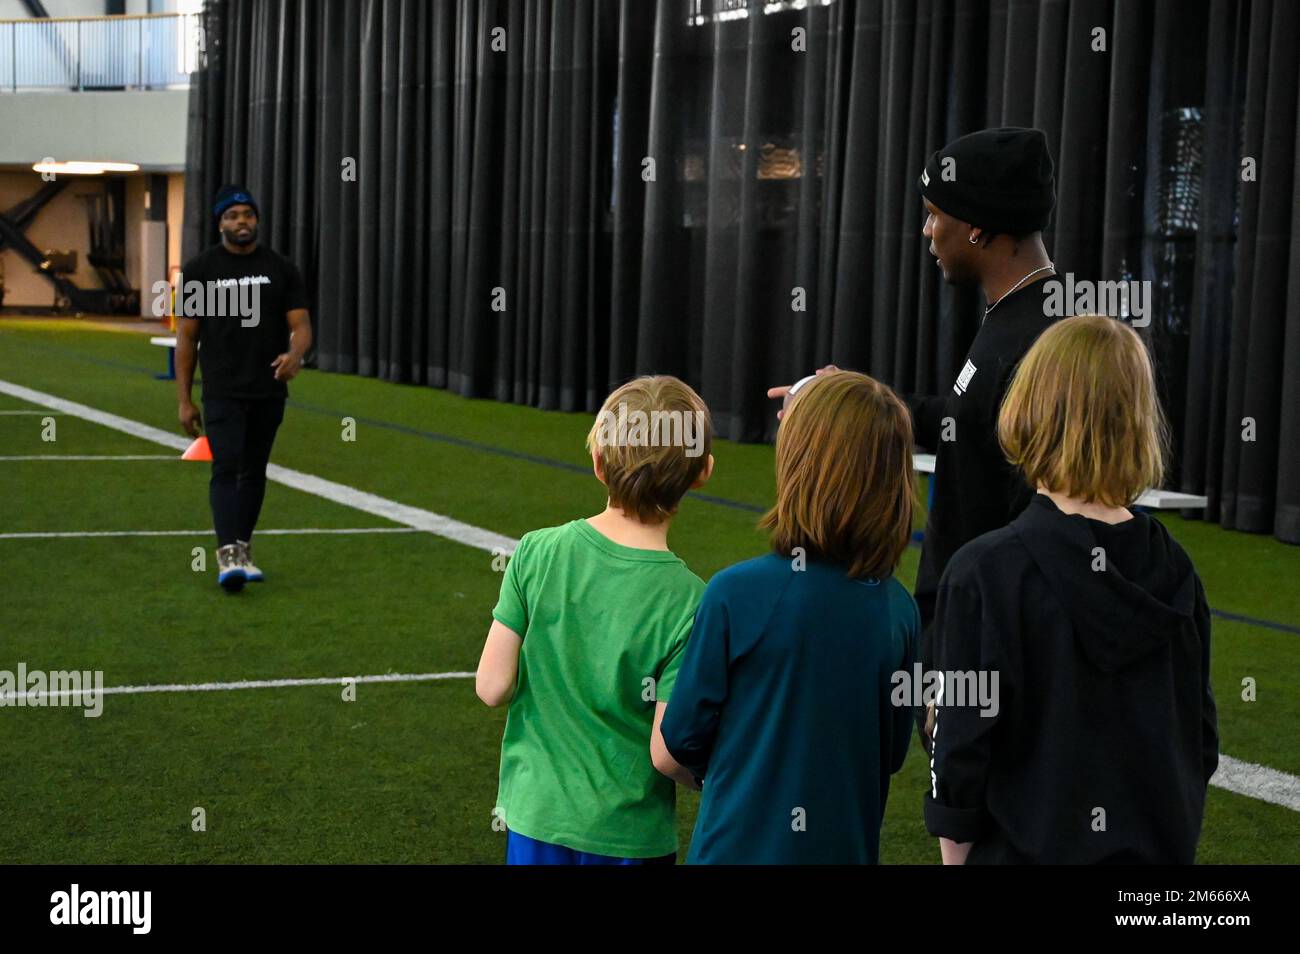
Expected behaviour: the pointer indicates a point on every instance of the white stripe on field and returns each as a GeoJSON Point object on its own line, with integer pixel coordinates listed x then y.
{"type": "Point", "coordinates": [372, 504]}
{"type": "Point", "coordinates": [76, 534]}
{"type": "Point", "coordinates": [1233, 775]}
{"type": "Point", "coordinates": [1257, 781]}
{"type": "Point", "coordinates": [15, 413]}
{"type": "Point", "coordinates": [89, 457]}
{"type": "Point", "coordinates": [11, 698]}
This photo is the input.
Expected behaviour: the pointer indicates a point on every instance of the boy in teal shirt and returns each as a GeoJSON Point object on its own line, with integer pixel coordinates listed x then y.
{"type": "Point", "coordinates": [587, 638]}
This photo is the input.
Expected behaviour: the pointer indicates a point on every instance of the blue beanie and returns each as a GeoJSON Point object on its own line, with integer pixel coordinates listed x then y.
{"type": "Point", "coordinates": [230, 195]}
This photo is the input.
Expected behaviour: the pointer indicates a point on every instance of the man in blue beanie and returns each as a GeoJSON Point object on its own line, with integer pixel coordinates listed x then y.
{"type": "Point", "coordinates": [247, 307]}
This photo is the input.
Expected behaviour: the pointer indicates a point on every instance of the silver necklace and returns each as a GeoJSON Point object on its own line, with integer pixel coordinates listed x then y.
{"type": "Point", "coordinates": [1017, 285]}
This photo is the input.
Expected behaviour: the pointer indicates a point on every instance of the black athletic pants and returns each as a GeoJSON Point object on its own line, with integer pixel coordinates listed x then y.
{"type": "Point", "coordinates": [240, 433]}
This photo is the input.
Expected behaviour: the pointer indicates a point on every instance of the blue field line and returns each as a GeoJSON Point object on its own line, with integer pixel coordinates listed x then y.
{"type": "Point", "coordinates": [1267, 623]}
{"type": "Point", "coordinates": [916, 540]}
{"type": "Point", "coordinates": [89, 359]}
{"type": "Point", "coordinates": [505, 452]}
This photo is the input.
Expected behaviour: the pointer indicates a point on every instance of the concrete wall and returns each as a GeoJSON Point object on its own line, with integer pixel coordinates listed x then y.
{"type": "Point", "coordinates": [147, 128]}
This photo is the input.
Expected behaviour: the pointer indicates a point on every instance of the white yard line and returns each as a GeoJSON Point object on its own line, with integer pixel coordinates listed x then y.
{"type": "Point", "coordinates": [88, 457]}
{"type": "Point", "coordinates": [1233, 775]}
{"type": "Point", "coordinates": [77, 534]}
{"type": "Point", "coordinates": [16, 413]}
{"type": "Point", "coordinates": [1258, 781]}
{"type": "Point", "coordinates": [12, 698]}
{"type": "Point", "coordinates": [372, 504]}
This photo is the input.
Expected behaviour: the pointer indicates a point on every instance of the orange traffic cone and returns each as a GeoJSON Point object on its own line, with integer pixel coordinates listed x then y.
{"type": "Point", "coordinates": [199, 450]}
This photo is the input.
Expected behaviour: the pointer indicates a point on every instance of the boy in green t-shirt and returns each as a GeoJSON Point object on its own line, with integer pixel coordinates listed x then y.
{"type": "Point", "coordinates": [586, 641]}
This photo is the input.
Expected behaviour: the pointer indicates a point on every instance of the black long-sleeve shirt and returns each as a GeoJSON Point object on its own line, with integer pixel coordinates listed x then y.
{"type": "Point", "coordinates": [975, 489]}
{"type": "Point", "coordinates": [1101, 736]}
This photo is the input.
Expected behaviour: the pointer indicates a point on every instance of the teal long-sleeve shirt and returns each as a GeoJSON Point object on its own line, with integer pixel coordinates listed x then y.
{"type": "Point", "coordinates": [783, 706]}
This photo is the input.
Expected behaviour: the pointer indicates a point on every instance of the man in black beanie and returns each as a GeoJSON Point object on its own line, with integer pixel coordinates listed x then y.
{"type": "Point", "coordinates": [247, 307]}
{"type": "Point", "coordinates": [987, 196]}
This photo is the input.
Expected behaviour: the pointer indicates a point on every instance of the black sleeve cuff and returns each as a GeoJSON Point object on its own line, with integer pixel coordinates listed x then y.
{"type": "Point", "coordinates": [921, 432]}
{"type": "Point", "coordinates": [960, 824]}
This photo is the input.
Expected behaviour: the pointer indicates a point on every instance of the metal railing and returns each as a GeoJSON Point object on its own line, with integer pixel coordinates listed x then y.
{"type": "Point", "coordinates": [152, 51]}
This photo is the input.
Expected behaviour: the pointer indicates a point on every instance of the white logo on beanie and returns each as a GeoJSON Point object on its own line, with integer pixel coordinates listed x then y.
{"type": "Point", "coordinates": [925, 177]}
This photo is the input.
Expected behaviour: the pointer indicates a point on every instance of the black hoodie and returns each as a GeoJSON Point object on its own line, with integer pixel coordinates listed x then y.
{"type": "Point", "coordinates": [1101, 737]}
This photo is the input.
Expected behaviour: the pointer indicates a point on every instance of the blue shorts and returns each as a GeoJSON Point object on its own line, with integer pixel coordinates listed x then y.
{"type": "Point", "coordinates": [522, 850]}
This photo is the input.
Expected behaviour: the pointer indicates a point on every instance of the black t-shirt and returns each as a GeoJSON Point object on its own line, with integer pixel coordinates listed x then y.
{"type": "Point", "coordinates": [975, 489]}
{"type": "Point", "coordinates": [240, 336]}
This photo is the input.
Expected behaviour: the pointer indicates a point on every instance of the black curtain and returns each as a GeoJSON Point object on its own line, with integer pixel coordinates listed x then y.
{"type": "Point", "coordinates": [550, 197]}
{"type": "Point", "coordinates": [1245, 336]}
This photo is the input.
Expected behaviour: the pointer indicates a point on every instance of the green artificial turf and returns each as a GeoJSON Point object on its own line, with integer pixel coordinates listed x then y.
{"type": "Point", "coordinates": [407, 771]}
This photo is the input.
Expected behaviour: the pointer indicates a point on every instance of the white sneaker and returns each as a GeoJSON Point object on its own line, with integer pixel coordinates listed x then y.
{"type": "Point", "coordinates": [230, 571]}
{"type": "Point", "coordinates": [251, 572]}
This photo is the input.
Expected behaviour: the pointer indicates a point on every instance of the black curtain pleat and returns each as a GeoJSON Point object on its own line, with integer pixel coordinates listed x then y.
{"type": "Point", "coordinates": [725, 190]}
{"type": "Point", "coordinates": [1286, 516]}
{"type": "Point", "coordinates": [1216, 236]}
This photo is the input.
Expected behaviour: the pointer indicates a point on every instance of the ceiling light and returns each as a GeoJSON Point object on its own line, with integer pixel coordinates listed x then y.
{"type": "Point", "coordinates": [84, 168]}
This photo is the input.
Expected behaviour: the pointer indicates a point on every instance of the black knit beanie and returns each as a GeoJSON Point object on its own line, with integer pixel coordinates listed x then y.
{"type": "Point", "coordinates": [998, 179]}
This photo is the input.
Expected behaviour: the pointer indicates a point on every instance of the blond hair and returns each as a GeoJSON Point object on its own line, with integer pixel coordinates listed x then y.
{"type": "Point", "coordinates": [1081, 416]}
{"type": "Point", "coordinates": [649, 467]}
{"type": "Point", "coordinates": [844, 485]}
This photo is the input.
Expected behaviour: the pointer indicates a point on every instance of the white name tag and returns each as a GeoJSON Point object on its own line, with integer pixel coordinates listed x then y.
{"type": "Point", "coordinates": [963, 379]}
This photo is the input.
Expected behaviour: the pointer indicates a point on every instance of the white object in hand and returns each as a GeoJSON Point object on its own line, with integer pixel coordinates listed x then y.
{"type": "Point", "coordinates": [794, 389]}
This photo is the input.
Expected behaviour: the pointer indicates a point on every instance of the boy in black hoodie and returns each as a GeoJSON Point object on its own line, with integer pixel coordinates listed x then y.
{"type": "Point", "coordinates": [1090, 623]}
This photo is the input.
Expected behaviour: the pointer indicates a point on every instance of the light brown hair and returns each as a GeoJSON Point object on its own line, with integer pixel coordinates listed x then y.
{"type": "Point", "coordinates": [1082, 417]}
{"type": "Point", "coordinates": [648, 473]}
{"type": "Point", "coordinates": [845, 491]}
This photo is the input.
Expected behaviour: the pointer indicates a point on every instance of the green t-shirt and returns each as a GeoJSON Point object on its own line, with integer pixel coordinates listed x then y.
{"type": "Point", "coordinates": [598, 621]}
